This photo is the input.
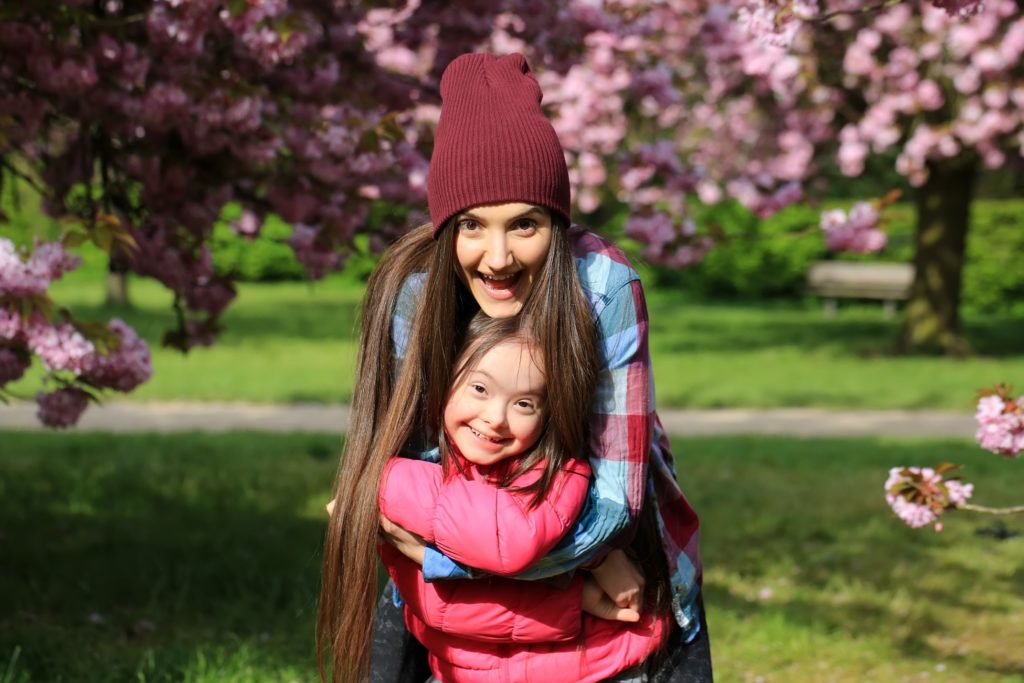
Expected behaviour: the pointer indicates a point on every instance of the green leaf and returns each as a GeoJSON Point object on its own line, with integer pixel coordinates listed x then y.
{"type": "Point", "coordinates": [75, 239]}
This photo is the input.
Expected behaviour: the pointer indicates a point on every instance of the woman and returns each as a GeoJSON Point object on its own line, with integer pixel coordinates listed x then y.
{"type": "Point", "coordinates": [500, 241]}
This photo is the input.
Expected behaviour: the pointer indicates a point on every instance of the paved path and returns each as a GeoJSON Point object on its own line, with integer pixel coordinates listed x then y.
{"type": "Point", "coordinates": [221, 417]}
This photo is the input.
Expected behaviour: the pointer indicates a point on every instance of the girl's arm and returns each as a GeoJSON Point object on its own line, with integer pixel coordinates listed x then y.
{"type": "Point", "coordinates": [474, 522]}
{"type": "Point", "coordinates": [494, 610]}
{"type": "Point", "coordinates": [621, 428]}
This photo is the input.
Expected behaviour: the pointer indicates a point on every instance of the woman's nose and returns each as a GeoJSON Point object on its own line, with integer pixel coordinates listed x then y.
{"type": "Point", "coordinates": [498, 254]}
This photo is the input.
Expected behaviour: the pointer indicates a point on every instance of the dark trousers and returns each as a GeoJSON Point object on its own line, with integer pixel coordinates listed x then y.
{"type": "Point", "coordinates": [686, 662]}
{"type": "Point", "coordinates": [399, 658]}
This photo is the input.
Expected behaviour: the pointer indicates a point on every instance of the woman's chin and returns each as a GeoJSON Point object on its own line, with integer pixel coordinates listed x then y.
{"type": "Point", "coordinates": [499, 309]}
{"type": "Point", "coordinates": [498, 303]}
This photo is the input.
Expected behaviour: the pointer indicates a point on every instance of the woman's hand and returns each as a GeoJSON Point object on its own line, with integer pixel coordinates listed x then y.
{"type": "Point", "coordinates": [407, 543]}
{"type": "Point", "coordinates": [597, 603]}
{"type": "Point", "coordinates": [620, 580]}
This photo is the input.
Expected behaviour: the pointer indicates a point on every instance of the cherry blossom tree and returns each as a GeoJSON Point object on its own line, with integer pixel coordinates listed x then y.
{"type": "Point", "coordinates": [140, 120]}
{"type": "Point", "coordinates": [673, 102]}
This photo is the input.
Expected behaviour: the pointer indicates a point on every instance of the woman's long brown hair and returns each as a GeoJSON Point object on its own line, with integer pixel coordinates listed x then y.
{"type": "Point", "coordinates": [395, 400]}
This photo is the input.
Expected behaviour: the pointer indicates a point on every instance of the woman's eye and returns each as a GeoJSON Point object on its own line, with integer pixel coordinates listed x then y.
{"type": "Point", "coordinates": [467, 225]}
{"type": "Point", "coordinates": [525, 225]}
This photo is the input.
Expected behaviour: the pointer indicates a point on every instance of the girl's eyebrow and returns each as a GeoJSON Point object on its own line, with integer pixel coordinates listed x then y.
{"type": "Point", "coordinates": [524, 214]}
{"type": "Point", "coordinates": [536, 392]}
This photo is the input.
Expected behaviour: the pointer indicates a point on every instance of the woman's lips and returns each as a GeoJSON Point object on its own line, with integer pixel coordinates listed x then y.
{"type": "Point", "coordinates": [504, 288]}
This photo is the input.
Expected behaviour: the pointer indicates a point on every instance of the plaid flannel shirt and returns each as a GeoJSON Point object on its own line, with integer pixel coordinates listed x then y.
{"type": "Point", "coordinates": [628, 448]}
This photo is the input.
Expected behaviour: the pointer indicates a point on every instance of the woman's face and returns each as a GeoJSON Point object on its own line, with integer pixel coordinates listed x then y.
{"type": "Point", "coordinates": [501, 249]}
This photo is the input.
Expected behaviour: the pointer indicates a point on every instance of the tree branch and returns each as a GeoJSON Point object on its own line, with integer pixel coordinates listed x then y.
{"type": "Point", "coordinates": [852, 12]}
{"type": "Point", "coordinates": [991, 511]}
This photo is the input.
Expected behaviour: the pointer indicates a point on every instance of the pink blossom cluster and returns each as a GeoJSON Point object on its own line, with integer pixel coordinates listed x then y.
{"type": "Point", "coordinates": [30, 274]}
{"type": "Point", "coordinates": [856, 231]}
{"type": "Point", "coordinates": [318, 261]}
{"type": "Point", "coordinates": [72, 358]}
{"type": "Point", "coordinates": [938, 83]}
{"type": "Point", "coordinates": [775, 22]}
{"type": "Point", "coordinates": [126, 365]}
{"type": "Point", "coordinates": [61, 408]}
{"type": "Point", "coordinates": [919, 495]}
{"type": "Point", "coordinates": [1000, 424]}
{"type": "Point", "coordinates": [61, 347]}
{"type": "Point", "coordinates": [675, 246]}
{"type": "Point", "coordinates": [12, 364]}
{"type": "Point", "coordinates": [69, 357]}
{"type": "Point", "coordinates": [272, 31]}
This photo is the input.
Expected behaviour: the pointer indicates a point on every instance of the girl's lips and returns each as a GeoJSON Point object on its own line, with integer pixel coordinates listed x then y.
{"type": "Point", "coordinates": [504, 288]}
{"type": "Point", "coordinates": [485, 441]}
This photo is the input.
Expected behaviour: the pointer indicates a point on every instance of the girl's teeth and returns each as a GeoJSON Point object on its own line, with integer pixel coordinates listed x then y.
{"type": "Point", "coordinates": [487, 438]}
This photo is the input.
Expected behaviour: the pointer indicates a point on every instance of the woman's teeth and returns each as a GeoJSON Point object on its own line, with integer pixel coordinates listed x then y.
{"type": "Point", "coordinates": [500, 281]}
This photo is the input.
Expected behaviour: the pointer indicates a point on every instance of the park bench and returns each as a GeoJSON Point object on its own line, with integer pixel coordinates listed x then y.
{"type": "Point", "coordinates": [885, 282]}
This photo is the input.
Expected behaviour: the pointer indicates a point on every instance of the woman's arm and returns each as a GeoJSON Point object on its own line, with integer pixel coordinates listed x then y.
{"type": "Point", "coordinates": [474, 522]}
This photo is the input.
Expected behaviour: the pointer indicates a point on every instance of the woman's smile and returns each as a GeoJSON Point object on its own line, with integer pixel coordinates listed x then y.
{"type": "Point", "coordinates": [501, 287]}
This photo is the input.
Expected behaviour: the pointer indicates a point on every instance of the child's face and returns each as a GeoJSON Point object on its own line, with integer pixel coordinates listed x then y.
{"type": "Point", "coordinates": [496, 410]}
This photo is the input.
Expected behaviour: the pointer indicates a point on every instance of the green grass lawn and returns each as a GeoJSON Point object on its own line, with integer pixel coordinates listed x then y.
{"type": "Point", "coordinates": [195, 558]}
{"type": "Point", "coordinates": [294, 342]}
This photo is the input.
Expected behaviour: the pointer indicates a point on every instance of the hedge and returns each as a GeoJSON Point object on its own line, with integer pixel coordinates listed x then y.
{"type": "Point", "coordinates": [770, 258]}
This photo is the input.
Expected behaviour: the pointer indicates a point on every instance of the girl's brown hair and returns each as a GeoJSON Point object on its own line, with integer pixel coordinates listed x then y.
{"type": "Point", "coordinates": [398, 400]}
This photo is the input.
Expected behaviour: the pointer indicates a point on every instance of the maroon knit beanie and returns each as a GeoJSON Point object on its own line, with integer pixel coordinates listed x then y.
{"type": "Point", "coordinates": [493, 143]}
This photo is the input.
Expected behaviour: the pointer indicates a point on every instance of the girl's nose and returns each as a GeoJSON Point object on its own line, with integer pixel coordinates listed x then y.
{"type": "Point", "coordinates": [494, 415]}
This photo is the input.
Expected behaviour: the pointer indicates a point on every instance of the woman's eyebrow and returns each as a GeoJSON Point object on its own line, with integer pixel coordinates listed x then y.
{"type": "Point", "coordinates": [524, 214]}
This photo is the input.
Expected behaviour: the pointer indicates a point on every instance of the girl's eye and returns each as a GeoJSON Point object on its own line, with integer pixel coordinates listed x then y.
{"type": "Point", "coordinates": [477, 388]}
{"type": "Point", "coordinates": [524, 404]}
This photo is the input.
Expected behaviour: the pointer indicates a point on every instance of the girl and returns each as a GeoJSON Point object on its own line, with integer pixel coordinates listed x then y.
{"type": "Point", "coordinates": [490, 504]}
{"type": "Point", "coordinates": [500, 242]}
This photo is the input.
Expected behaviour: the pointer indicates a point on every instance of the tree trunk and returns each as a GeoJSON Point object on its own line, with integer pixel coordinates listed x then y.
{"type": "Point", "coordinates": [933, 311]}
{"type": "Point", "coordinates": [117, 286]}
